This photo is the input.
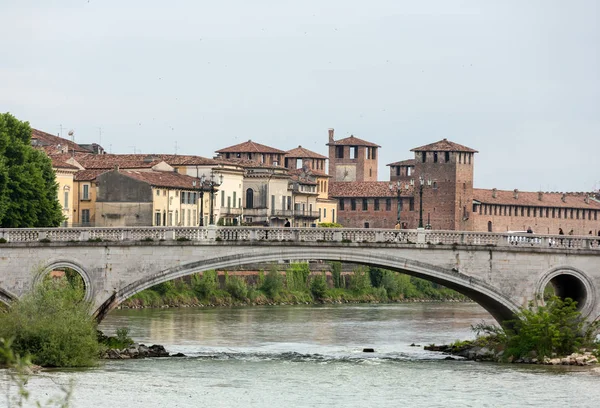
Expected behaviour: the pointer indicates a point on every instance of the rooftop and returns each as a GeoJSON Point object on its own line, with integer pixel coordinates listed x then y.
{"type": "Point", "coordinates": [532, 199]}
{"type": "Point", "coordinates": [409, 162]}
{"type": "Point", "coordinates": [304, 153]}
{"type": "Point", "coordinates": [51, 142]}
{"type": "Point", "coordinates": [365, 189]}
{"type": "Point", "coordinates": [250, 147]}
{"type": "Point", "coordinates": [88, 175]}
{"type": "Point", "coordinates": [352, 141]}
{"type": "Point", "coordinates": [168, 179]}
{"type": "Point", "coordinates": [444, 145]}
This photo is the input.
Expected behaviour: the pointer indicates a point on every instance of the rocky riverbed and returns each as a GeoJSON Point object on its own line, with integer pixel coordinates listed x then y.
{"type": "Point", "coordinates": [138, 351]}
{"type": "Point", "coordinates": [482, 353]}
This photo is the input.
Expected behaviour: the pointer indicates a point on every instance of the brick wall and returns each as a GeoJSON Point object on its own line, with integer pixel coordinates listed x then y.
{"type": "Point", "coordinates": [381, 218]}
{"type": "Point", "coordinates": [365, 169]}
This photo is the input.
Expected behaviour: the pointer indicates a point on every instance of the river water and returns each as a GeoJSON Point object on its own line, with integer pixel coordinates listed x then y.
{"type": "Point", "coordinates": [311, 356]}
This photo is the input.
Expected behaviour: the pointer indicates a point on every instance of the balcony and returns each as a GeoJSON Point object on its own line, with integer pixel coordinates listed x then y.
{"type": "Point", "coordinates": [282, 213]}
{"type": "Point", "coordinates": [226, 211]}
{"type": "Point", "coordinates": [255, 212]}
{"type": "Point", "coordinates": [313, 215]}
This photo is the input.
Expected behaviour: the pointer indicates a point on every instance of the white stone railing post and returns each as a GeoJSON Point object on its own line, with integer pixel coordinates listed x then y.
{"type": "Point", "coordinates": [337, 236]}
{"type": "Point", "coordinates": [42, 235]}
{"type": "Point", "coordinates": [84, 235]}
{"type": "Point", "coordinates": [252, 234]}
{"type": "Point", "coordinates": [421, 236]}
{"type": "Point", "coordinates": [170, 235]}
{"type": "Point", "coordinates": [211, 232]}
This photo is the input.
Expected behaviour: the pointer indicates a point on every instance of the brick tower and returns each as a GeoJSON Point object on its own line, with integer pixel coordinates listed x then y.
{"type": "Point", "coordinates": [352, 159]}
{"type": "Point", "coordinates": [446, 169]}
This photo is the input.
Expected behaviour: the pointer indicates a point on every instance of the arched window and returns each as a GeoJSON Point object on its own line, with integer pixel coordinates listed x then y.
{"type": "Point", "coordinates": [249, 198]}
{"type": "Point", "coordinates": [489, 226]}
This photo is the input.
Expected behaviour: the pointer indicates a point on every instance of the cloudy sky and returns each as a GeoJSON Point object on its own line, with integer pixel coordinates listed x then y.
{"type": "Point", "coordinates": [517, 80]}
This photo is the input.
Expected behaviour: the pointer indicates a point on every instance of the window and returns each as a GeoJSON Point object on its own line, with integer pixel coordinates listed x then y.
{"type": "Point", "coordinates": [339, 152]}
{"type": "Point", "coordinates": [86, 192]}
{"type": "Point", "coordinates": [446, 157]}
{"type": "Point", "coordinates": [157, 219]}
{"type": "Point", "coordinates": [66, 203]}
{"type": "Point", "coordinates": [370, 172]}
{"type": "Point", "coordinates": [332, 215]}
{"type": "Point", "coordinates": [85, 216]}
{"type": "Point", "coordinates": [397, 170]}
{"type": "Point", "coordinates": [365, 204]}
{"type": "Point", "coordinates": [435, 157]}
{"type": "Point", "coordinates": [158, 193]}
{"type": "Point", "coordinates": [222, 198]}
{"type": "Point", "coordinates": [388, 204]}
{"type": "Point", "coordinates": [342, 204]}
{"type": "Point", "coordinates": [366, 225]}
{"type": "Point", "coordinates": [353, 152]}
{"type": "Point", "coordinates": [411, 204]}
{"type": "Point", "coordinates": [183, 197]}
{"type": "Point", "coordinates": [373, 153]}
{"type": "Point", "coordinates": [249, 198]}
{"type": "Point", "coordinates": [376, 204]}
{"type": "Point", "coordinates": [353, 204]}
{"type": "Point", "coordinates": [228, 202]}
{"type": "Point", "coordinates": [325, 212]}
{"type": "Point", "coordinates": [183, 217]}
{"type": "Point", "coordinates": [435, 186]}
{"type": "Point", "coordinates": [423, 157]}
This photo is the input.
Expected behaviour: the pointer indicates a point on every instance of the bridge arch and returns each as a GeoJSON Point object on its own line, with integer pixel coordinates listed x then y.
{"type": "Point", "coordinates": [569, 282]}
{"type": "Point", "coordinates": [497, 304]}
{"type": "Point", "coordinates": [57, 264]}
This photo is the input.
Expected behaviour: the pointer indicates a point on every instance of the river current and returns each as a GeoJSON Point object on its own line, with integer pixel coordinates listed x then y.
{"type": "Point", "coordinates": [311, 356]}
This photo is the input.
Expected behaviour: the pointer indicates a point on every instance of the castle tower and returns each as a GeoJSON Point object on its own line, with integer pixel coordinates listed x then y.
{"type": "Point", "coordinates": [446, 169]}
{"type": "Point", "coordinates": [352, 159]}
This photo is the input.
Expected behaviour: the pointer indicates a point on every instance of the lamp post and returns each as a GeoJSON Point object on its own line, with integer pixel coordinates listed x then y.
{"type": "Point", "coordinates": [398, 186]}
{"type": "Point", "coordinates": [201, 195]}
{"type": "Point", "coordinates": [212, 184]}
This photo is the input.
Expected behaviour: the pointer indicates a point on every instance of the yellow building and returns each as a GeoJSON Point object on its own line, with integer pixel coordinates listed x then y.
{"type": "Point", "coordinates": [84, 197]}
{"type": "Point", "coordinates": [64, 177]}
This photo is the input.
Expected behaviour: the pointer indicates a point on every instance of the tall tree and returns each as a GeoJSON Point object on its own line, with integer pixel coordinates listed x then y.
{"type": "Point", "coordinates": [28, 187]}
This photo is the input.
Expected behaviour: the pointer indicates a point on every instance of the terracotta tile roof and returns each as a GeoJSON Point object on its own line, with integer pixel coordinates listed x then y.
{"type": "Point", "coordinates": [59, 163]}
{"type": "Point", "coordinates": [88, 175]}
{"type": "Point", "coordinates": [352, 141]}
{"type": "Point", "coordinates": [303, 179]}
{"type": "Point", "coordinates": [311, 172]}
{"type": "Point", "coordinates": [409, 162]}
{"type": "Point", "coordinates": [444, 145]}
{"type": "Point", "coordinates": [532, 199]}
{"type": "Point", "coordinates": [245, 163]}
{"type": "Point", "coordinates": [303, 153]}
{"type": "Point", "coordinates": [48, 141]}
{"type": "Point", "coordinates": [249, 147]}
{"type": "Point", "coordinates": [139, 161]}
{"type": "Point", "coordinates": [168, 179]}
{"type": "Point", "coordinates": [366, 189]}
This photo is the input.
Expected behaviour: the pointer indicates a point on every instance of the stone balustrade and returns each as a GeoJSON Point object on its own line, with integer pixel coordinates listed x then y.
{"type": "Point", "coordinates": [342, 235]}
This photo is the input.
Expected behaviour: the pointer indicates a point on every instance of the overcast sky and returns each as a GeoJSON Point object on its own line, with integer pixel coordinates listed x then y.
{"type": "Point", "coordinates": [518, 80]}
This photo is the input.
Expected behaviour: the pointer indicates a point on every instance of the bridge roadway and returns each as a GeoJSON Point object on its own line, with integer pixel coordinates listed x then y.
{"type": "Point", "coordinates": [500, 271]}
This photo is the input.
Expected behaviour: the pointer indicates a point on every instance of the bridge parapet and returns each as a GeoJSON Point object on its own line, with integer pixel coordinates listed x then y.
{"type": "Point", "coordinates": [326, 235]}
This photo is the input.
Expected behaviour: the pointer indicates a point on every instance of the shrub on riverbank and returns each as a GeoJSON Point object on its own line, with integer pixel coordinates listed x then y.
{"type": "Point", "coordinates": [554, 329]}
{"type": "Point", "coordinates": [52, 325]}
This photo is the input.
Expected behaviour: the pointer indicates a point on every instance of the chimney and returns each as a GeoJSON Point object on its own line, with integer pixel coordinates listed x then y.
{"type": "Point", "coordinates": [563, 198]}
{"type": "Point", "coordinates": [540, 195]}
{"type": "Point", "coordinates": [330, 135]}
{"type": "Point", "coordinates": [494, 192]}
{"type": "Point", "coordinates": [587, 199]}
{"type": "Point", "coordinates": [516, 193]}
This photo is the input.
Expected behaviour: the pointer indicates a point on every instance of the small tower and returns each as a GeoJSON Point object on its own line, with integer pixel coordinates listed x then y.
{"type": "Point", "coordinates": [446, 169]}
{"type": "Point", "coordinates": [352, 159]}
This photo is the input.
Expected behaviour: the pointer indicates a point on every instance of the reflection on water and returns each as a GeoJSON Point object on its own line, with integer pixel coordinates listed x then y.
{"type": "Point", "coordinates": [310, 356]}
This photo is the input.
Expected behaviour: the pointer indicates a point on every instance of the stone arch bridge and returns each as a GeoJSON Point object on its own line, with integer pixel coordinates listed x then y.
{"type": "Point", "coordinates": [501, 272]}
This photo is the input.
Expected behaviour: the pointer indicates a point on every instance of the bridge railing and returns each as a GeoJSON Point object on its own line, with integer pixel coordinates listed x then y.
{"type": "Point", "coordinates": [281, 234]}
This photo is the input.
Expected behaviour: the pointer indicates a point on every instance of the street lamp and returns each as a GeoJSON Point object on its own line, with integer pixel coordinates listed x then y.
{"type": "Point", "coordinates": [398, 186]}
{"type": "Point", "coordinates": [421, 184]}
{"type": "Point", "coordinates": [212, 184]}
{"type": "Point", "coordinates": [201, 191]}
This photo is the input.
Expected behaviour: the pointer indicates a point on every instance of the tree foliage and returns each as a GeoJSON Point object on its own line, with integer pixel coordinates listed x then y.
{"type": "Point", "coordinates": [28, 188]}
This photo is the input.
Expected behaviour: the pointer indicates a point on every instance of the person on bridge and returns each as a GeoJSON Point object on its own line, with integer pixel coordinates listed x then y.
{"type": "Point", "coordinates": [287, 223]}
{"type": "Point", "coordinates": [529, 230]}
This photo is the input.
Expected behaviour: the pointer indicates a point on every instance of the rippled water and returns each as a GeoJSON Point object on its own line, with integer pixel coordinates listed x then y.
{"type": "Point", "coordinates": [311, 356]}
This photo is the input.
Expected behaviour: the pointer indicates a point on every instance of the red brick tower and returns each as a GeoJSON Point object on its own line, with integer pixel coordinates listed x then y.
{"type": "Point", "coordinates": [446, 169]}
{"type": "Point", "coordinates": [352, 159]}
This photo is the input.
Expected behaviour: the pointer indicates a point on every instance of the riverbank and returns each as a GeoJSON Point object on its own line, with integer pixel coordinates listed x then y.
{"type": "Point", "coordinates": [295, 286]}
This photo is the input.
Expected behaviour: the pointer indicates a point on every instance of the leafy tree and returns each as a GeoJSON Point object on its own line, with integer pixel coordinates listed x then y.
{"type": "Point", "coordinates": [28, 187]}
{"type": "Point", "coordinates": [336, 274]}
{"type": "Point", "coordinates": [273, 283]}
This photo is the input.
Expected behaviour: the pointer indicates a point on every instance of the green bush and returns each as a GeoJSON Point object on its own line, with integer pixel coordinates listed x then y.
{"type": "Point", "coordinates": [318, 286]}
{"type": "Point", "coordinates": [53, 326]}
{"type": "Point", "coordinates": [297, 276]}
{"type": "Point", "coordinates": [360, 280]}
{"type": "Point", "coordinates": [330, 225]}
{"type": "Point", "coordinates": [336, 274]}
{"type": "Point", "coordinates": [273, 283]}
{"type": "Point", "coordinates": [3, 241]}
{"type": "Point", "coordinates": [237, 287]}
{"type": "Point", "coordinates": [389, 281]}
{"type": "Point", "coordinates": [206, 285]}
